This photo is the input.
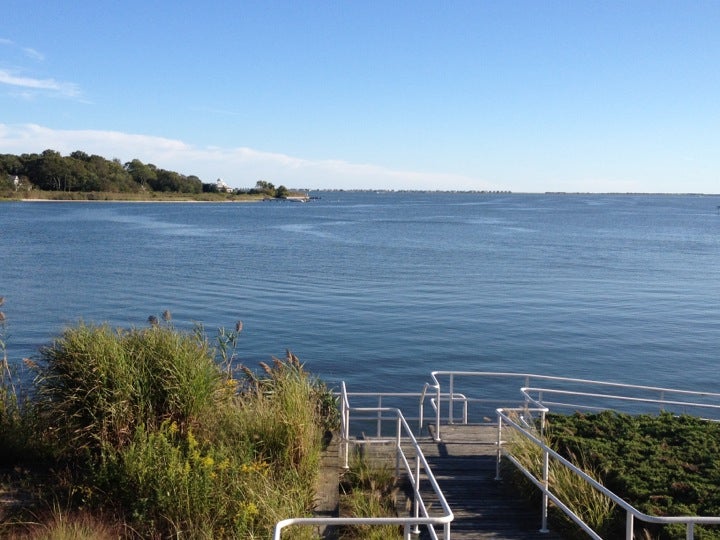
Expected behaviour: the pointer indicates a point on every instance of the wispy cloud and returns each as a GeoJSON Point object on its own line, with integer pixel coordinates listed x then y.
{"type": "Point", "coordinates": [27, 51]}
{"type": "Point", "coordinates": [63, 88]}
{"type": "Point", "coordinates": [239, 167]}
{"type": "Point", "coordinates": [28, 87]}
{"type": "Point", "coordinates": [32, 53]}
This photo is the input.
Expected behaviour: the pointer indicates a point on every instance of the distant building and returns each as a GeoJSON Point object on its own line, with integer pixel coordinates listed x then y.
{"type": "Point", "coordinates": [222, 186]}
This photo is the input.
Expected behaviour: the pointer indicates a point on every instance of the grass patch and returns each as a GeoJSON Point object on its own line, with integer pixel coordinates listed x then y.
{"type": "Point", "coordinates": [663, 465]}
{"type": "Point", "coordinates": [368, 489]}
{"type": "Point", "coordinates": [590, 505]}
{"type": "Point", "coordinates": [155, 427]}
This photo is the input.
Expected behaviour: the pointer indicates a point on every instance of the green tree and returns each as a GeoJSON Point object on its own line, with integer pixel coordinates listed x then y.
{"type": "Point", "coordinates": [282, 192]}
{"type": "Point", "coordinates": [10, 164]}
{"type": "Point", "coordinates": [80, 155]}
{"type": "Point", "coordinates": [50, 171]}
{"type": "Point", "coordinates": [264, 187]}
{"type": "Point", "coordinates": [141, 173]}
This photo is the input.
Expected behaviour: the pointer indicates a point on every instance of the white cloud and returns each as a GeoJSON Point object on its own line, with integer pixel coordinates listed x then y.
{"type": "Point", "coordinates": [64, 88]}
{"type": "Point", "coordinates": [29, 51]}
{"type": "Point", "coordinates": [30, 86]}
{"type": "Point", "coordinates": [32, 53]}
{"type": "Point", "coordinates": [239, 167]}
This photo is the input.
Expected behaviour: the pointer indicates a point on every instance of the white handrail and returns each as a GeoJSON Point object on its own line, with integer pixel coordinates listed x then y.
{"type": "Point", "coordinates": [526, 391]}
{"type": "Point", "coordinates": [410, 524]}
{"type": "Point", "coordinates": [632, 513]}
{"type": "Point", "coordinates": [532, 396]}
{"type": "Point", "coordinates": [535, 396]}
{"type": "Point", "coordinates": [527, 377]}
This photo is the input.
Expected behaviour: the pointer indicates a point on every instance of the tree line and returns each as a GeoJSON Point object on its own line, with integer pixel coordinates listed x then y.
{"type": "Point", "coordinates": [78, 171]}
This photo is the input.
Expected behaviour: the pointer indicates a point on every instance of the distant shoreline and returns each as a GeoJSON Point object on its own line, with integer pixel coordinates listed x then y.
{"type": "Point", "coordinates": [95, 197]}
{"type": "Point", "coordinates": [241, 201]}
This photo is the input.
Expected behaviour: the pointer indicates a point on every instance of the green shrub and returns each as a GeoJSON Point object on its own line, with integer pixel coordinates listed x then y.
{"type": "Point", "coordinates": [664, 464]}
{"type": "Point", "coordinates": [151, 424]}
{"type": "Point", "coordinates": [104, 383]}
{"type": "Point", "coordinates": [279, 412]}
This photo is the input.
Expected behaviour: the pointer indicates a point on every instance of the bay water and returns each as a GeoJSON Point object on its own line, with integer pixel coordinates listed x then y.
{"type": "Point", "coordinates": [379, 289]}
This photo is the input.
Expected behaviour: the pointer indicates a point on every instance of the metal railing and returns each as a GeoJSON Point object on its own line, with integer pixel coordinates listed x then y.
{"type": "Point", "coordinates": [372, 420]}
{"type": "Point", "coordinates": [505, 419]}
{"type": "Point", "coordinates": [403, 434]}
{"type": "Point", "coordinates": [504, 386]}
{"type": "Point", "coordinates": [493, 400]}
{"type": "Point", "coordinates": [607, 396]}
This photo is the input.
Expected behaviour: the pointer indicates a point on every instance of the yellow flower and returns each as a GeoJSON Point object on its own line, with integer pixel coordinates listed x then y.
{"type": "Point", "coordinates": [249, 509]}
{"type": "Point", "coordinates": [192, 441]}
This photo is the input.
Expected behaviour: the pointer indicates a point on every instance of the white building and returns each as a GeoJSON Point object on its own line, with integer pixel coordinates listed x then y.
{"type": "Point", "coordinates": [222, 186]}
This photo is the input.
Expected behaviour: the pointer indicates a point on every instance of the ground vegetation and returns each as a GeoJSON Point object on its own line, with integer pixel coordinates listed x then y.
{"type": "Point", "coordinates": [153, 433]}
{"type": "Point", "coordinates": [369, 488]}
{"type": "Point", "coordinates": [663, 465]}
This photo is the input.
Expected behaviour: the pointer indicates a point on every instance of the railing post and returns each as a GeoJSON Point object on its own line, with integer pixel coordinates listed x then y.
{"type": "Point", "coordinates": [437, 414]}
{"type": "Point", "coordinates": [379, 418]}
{"type": "Point", "coordinates": [398, 448]}
{"type": "Point", "coordinates": [451, 402]}
{"type": "Point", "coordinates": [629, 526]}
{"type": "Point", "coordinates": [527, 384]}
{"type": "Point", "coordinates": [498, 454]}
{"type": "Point", "coordinates": [546, 484]}
{"type": "Point", "coordinates": [346, 428]}
{"type": "Point", "coordinates": [662, 398]}
{"type": "Point", "coordinates": [690, 533]}
{"type": "Point", "coordinates": [416, 498]}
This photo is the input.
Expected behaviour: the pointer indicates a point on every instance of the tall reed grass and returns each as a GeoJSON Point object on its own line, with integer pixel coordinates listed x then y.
{"type": "Point", "coordinates": [155, 425]}
{"type": "Point", "coordinates": [593, 507]}
{"type": "Point", "coordinates": [15, 430]}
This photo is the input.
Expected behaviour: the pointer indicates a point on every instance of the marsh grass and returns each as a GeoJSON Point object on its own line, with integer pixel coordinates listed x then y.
{"type": "Point", "coordinates": [152, 425]}
{"type": "Point", "coordinates": [58, 524]}
{"type": "Point", "coordinates": [105, 383]}
{"type": "Point", "coordinates": [369, 489]}
{"type": "Point", "coordinates": [17, 422]}
{"type": "Point", "coordinates": [593, 507]}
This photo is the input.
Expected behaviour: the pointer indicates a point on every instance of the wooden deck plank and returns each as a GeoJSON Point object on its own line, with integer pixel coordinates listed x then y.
{"type": "Point", "coordinates": [463, 464]}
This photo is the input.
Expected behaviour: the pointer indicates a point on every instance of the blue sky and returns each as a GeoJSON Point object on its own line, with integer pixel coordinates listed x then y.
{"type": "Point", "coordinates": [497, 95]}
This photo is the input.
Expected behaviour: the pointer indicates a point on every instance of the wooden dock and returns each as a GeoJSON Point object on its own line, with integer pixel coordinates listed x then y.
{"type": "Point", "coordinates": [463, 464]}
{"type": "Point", "coordinates": [484, 508]}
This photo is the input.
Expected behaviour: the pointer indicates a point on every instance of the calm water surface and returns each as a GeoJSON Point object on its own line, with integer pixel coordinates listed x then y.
{"type": "Point", "coordinates": [380, 289]}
